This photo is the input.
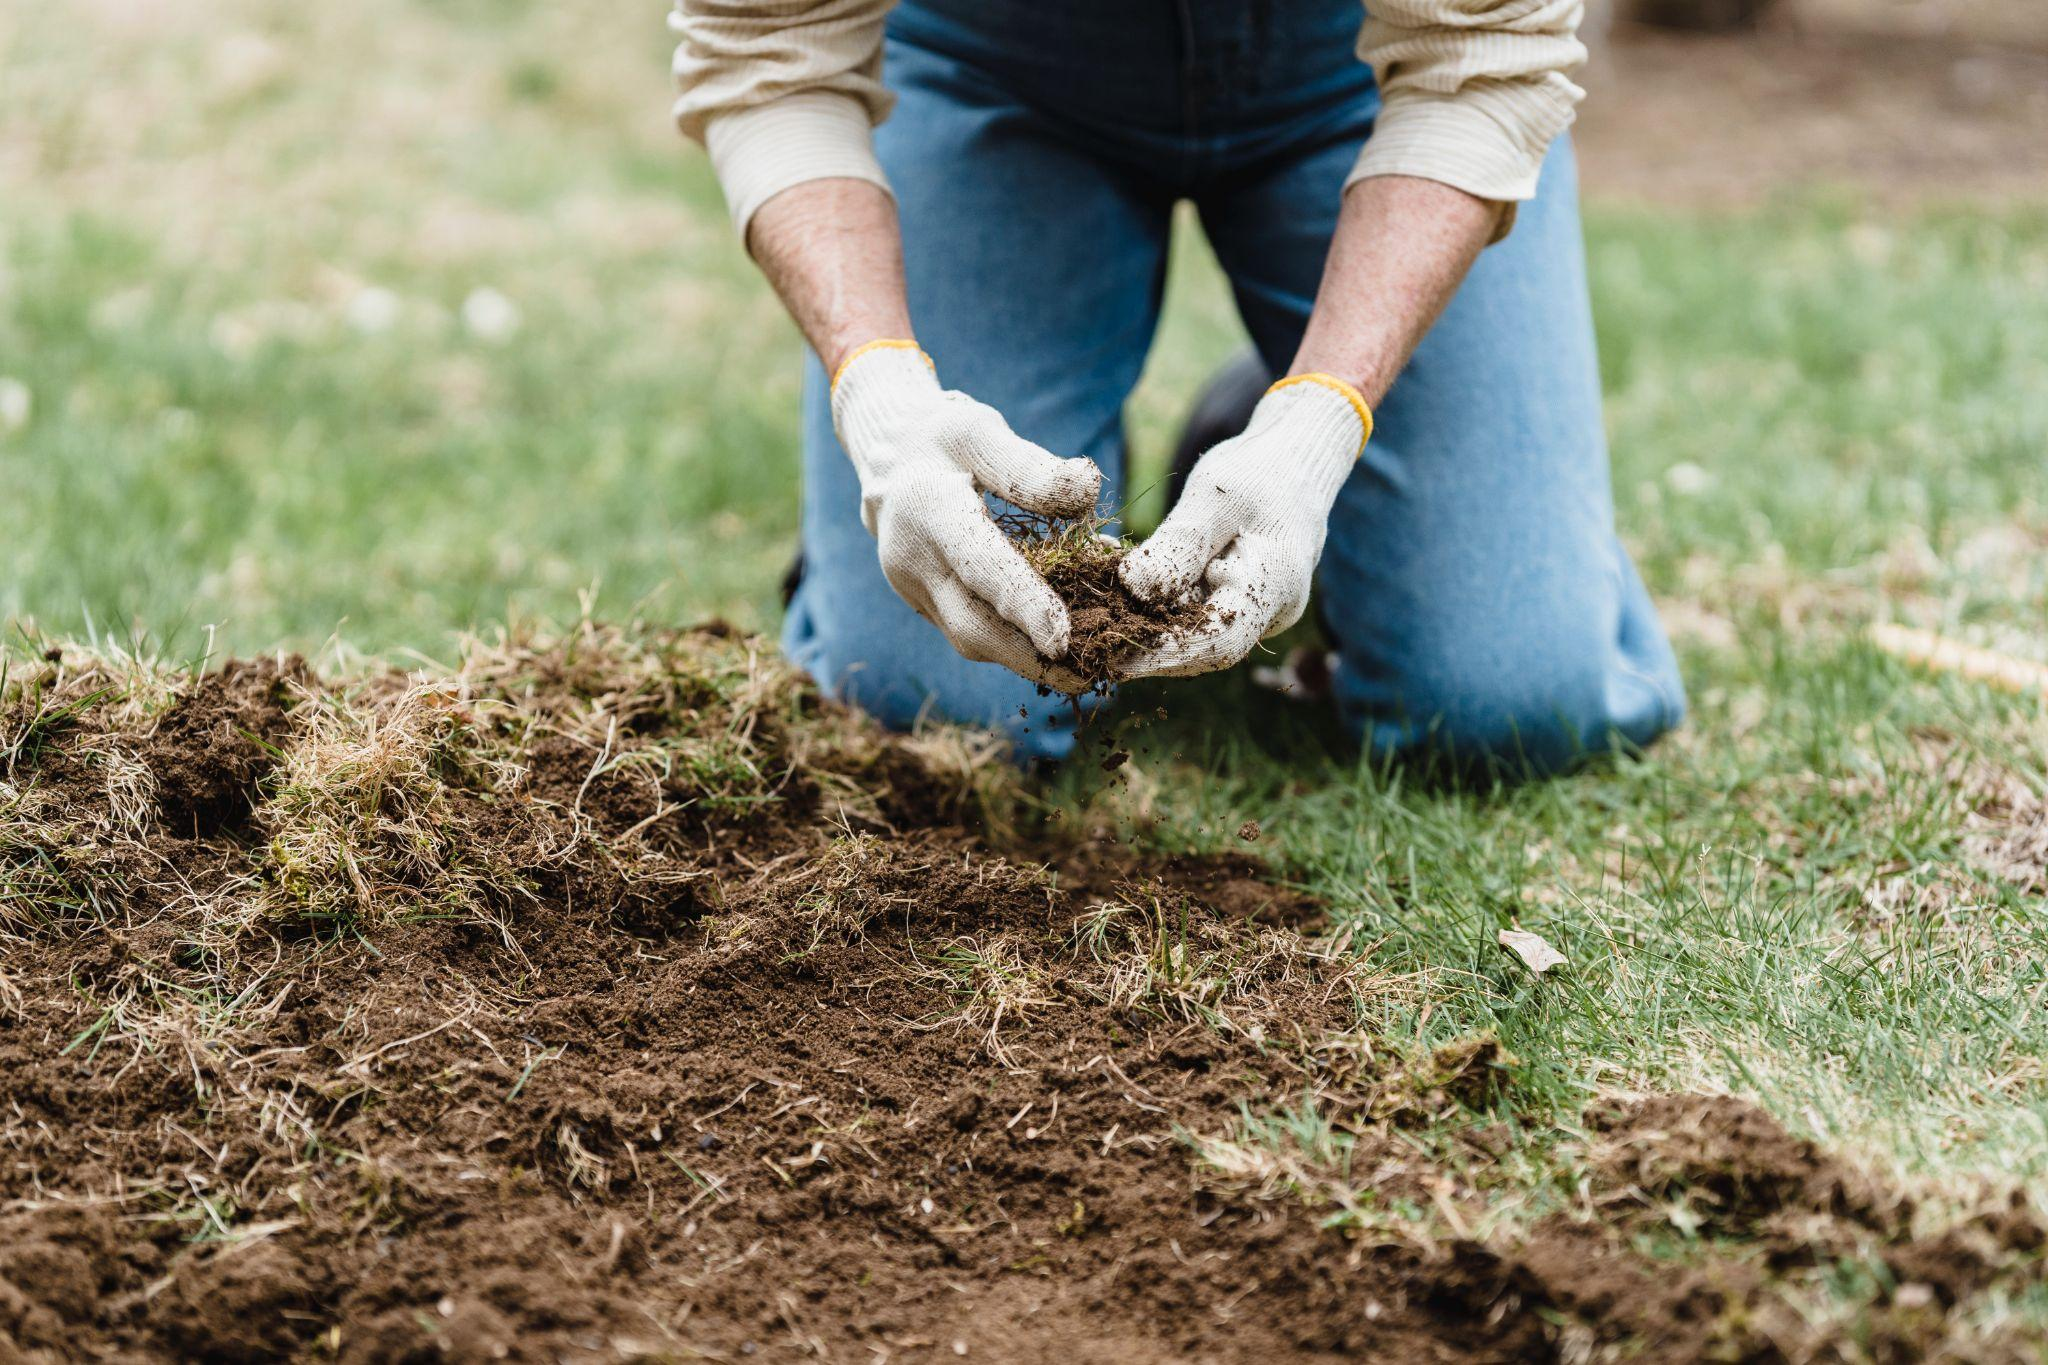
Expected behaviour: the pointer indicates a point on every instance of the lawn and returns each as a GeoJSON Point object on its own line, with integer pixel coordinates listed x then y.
{"type": "Point", "coordinates": [448, 330]}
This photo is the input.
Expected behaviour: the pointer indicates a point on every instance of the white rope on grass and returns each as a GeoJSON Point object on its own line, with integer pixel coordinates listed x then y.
{"type": "Point", "coordinates": [1939, 654]}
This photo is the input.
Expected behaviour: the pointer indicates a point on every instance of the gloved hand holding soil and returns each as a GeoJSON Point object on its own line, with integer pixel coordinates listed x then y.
{"type": "Point", "coordinates": [1109, 628]}
{"type": "Point", "coordinates": [1232, 563]}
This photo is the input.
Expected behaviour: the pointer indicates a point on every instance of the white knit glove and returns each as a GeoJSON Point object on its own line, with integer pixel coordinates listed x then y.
{"type": "Point", "coordinates": [1250, 525]}
{"type": "Point", "coordinates": [925, 456]}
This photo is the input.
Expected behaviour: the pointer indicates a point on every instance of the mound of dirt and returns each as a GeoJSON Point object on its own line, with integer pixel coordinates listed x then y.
{"type": "Point", "coordinates": [1109, 626]}
{"type": "Point", "coordinates": [618, 998]}
{"type": "Point", "coordinates": [1733, 1165]}
{"type": "Point", "coordinates": [211, 748]}
{"type": "Point", "coordinates": [1684, 1171]}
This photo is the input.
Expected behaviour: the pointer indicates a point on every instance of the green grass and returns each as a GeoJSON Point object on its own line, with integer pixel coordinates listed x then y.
{"type": "Point", "coordinates": [1821, 417]}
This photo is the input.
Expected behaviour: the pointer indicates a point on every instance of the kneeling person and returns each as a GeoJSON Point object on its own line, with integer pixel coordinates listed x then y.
{"type": "Point", "coordinates": [1005, 173]}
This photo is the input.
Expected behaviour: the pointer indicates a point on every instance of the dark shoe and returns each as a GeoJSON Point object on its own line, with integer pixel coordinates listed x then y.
{"type": "Point", "coordinates": [1221, 412]}
{"type": "Point", "coordinates": [792, 576]}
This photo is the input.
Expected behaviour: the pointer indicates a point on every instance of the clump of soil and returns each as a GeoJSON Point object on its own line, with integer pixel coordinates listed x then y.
{"type": "Point", "coordinates": [1734, 1166]}
{"type": "Point", "coordinates": [1738, 1172]}
{"type": "Point", "coordinates": [617, 997]}
{"type": "Point", "coordinates": [1109, 626]}
{"type": "Point", "coordinates": [1788, 1209]}
{"type": "Point", "coordinates": [210, 748]}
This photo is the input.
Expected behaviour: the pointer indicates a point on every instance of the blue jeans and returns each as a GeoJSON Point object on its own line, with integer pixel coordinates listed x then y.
{"type": "Point", "coordinates": [1472, 581]}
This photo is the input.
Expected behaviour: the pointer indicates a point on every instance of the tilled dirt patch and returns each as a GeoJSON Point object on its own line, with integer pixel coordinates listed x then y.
{"type": "Point", "coordinates": [619, 999]}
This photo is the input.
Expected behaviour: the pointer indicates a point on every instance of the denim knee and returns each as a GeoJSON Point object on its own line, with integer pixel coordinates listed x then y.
{"type": "Point", "coordinates": [1528, 711]}
{"type": "Point", "coordinates": [904, 679]}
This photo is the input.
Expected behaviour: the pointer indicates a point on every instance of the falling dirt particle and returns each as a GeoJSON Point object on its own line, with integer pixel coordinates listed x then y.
{"type": "Point", "coordinates": [1249, 831]}
{"type": "Point", "coordinates": [1116, 760]}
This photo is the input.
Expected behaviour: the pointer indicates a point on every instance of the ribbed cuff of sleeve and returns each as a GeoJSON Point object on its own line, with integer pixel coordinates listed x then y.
{"type": "Point", "coordinates": [759, 152]}
{"type": "Point", "coordinates": [1487, 140]}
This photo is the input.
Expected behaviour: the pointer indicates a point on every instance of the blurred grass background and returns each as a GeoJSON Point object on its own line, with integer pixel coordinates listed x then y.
{"type": "Point", "coordinates": [380, 321]}
{"type": "Point", "coordinates": [399, 317]}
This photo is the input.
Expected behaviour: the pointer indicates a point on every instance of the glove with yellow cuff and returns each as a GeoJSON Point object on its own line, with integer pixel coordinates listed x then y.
{"type": "Point", "coordinates": [1250, 524]}
{"type": "Point", "coordinates": [925, 455]}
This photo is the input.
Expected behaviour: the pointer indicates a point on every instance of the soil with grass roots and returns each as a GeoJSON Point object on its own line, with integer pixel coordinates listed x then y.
{"type": "Point", "coordinates": [616, 997]}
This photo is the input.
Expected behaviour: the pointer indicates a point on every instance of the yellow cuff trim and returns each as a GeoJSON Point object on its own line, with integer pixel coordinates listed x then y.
{"type": "Point", "coordinates": [881, 344]}
{"type": "Point", "coordinates": [1344, 390]}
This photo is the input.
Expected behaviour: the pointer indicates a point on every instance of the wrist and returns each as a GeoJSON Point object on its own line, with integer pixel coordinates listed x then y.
{"type": "Point", "coordinates": [841, 343]}
{"type": "Point", "coordinates": [1328, 418]}
{"type": "Point", "coordinates": [837, 342]}
{"type": "Point", "coordinates": [842, 360]}
{"type": "Point", "coordinates": [1366, 374]}
{"type": "Point", "coordinates": [1401, 249]}
{"type": "Point", "coordinates": [833, 253]}
{"type": "Point", "coordinates": [880, 390]}
{"type": "Point", "coordinates": [1305, 438]}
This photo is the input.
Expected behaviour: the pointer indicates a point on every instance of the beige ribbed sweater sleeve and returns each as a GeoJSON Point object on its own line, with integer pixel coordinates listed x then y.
{"type": "Point", "coordinates": [781, 91]}
{"type": "Point", "coordinates": [784, 91]}
{"type": "Point", "coordinates": [1472, 92]}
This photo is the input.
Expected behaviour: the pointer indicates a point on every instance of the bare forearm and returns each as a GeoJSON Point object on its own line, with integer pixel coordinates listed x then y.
{"type": "Point", "coordinates": [1401, 249]}
{"type": "Point", "coordinates": [834, 253]}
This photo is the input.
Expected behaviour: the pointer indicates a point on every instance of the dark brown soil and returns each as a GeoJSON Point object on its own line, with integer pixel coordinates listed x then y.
{"type": "Point", "coordinates": [1788, 1207]}
{"type": "Point", "coordinates": [718, 1026]}
{"type": "Point", "coordinates": [1109, 626]}
{"type": "Point", "coordinates": [212, 747]}
{"type": "Point", "coordinates": [1733, 1164]}
{"type": "Point", "coordinates": [1744, 1176]}
{"type": "Point", "coordinates": [1234, 886]}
